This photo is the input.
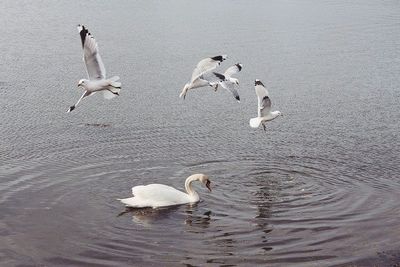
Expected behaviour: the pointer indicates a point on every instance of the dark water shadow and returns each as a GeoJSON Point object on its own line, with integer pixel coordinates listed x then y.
{"type": "Point", "coordinates": [102, 125]}
{"type": "Point", "coordinates": [147, 216]}
{"type": "Point", "coordinates": [193, 218]}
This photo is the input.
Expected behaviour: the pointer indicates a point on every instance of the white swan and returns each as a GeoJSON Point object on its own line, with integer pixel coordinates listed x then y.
{"type": "Point", "coordinates": [264, 107]}
{"type": "Point", "coordinates": [203, 67]}
{"type": "Point", "coordinates": [95, 69]}
{"type": "Point", "coordinates": [159, 195]}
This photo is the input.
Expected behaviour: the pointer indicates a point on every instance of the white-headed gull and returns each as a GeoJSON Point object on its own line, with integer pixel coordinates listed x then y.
{"type": "Point", "coordinates": [95, 70]}
{"type": "Point", "coordinates": [264, 107]}
{"type": "Point", "coordinates": [203, 67]}
{"type": "Point", "coordinates": [230, 82]}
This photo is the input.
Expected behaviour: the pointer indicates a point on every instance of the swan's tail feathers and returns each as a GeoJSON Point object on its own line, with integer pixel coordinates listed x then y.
{"type": "Point", "coordinates": [130, 201]}
{"type": "Point", "coordinates": [255, 122]}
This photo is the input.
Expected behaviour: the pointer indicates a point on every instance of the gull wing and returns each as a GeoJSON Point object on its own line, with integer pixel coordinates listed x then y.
{"type": "Point", "coordinates": [206, 65]}
{"type": "Point", "coordinates": [231, 88]}
{"type": "Point", "coordinates": [264, 102]}
{"type": "Point", "coordinates": [213, 77]}
{"type": "Point", "coordinates": [233, 70]}
{"type": "Point", "coordinates": [94, 65]}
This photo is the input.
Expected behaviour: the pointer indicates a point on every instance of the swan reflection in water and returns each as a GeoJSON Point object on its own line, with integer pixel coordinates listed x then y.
{"type": "Point", "coordinates": [149, 216]}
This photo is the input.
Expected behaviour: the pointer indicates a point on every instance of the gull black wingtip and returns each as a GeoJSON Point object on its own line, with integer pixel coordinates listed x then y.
{"type": "Point", "coordinates": [219, 58]}
{"type": "Point", "coordinates": [219, 76]}
{"type": "Point", "coordinates": [239, 66]}
{"type": "Point", "coordinates": [83, 32]}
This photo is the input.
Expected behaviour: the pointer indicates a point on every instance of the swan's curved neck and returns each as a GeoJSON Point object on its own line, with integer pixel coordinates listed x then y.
{"type": "Point", "coordinates": [189, 188]}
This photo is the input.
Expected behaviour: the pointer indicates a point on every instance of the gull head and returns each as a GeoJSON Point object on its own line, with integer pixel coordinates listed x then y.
{"type": "Point", "coordinates": [235, 81]}
{"type": "Point", "coordinates": [82, 82]}
{"type": "Point", "coordinates": [258, 82]}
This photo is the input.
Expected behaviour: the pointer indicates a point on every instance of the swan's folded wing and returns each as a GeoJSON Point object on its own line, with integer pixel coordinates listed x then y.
{"type": "Point", "coordinates": [159, 195]}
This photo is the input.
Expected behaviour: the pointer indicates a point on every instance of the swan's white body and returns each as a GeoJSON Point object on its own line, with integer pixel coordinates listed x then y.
{"type": "Point", "coordinates": [95, 69]}
{"type": "Point", "coordinates": [230, 82]}
{"type": "Point", "coordinates": [264, 107]}
{"type": "Point", "coordinates": [159, 195]}
{"type": "Point", "coordinates": [203, 67]}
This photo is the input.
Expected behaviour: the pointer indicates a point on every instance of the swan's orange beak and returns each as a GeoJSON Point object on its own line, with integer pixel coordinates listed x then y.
{"type": "Point", "coordinates": [208, 185]}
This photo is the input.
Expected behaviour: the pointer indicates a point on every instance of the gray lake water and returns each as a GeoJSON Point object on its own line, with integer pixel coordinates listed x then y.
{"type": "Point", "coordinates": [319, 188]}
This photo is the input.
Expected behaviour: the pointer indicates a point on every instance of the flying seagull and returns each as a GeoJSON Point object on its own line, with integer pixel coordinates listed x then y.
{"type": "Point", "coordinates": [205, 66]}
{"type": "Point", "coordinates": [264, 107]}
{"type": "Point", "coordinates": [230, 82]}
{"type": "Point", "coordinates": [95, 70]}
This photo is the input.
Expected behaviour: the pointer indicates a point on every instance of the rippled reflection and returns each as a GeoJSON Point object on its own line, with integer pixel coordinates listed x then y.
{"type": "Point", "coordinates": [148, 216]}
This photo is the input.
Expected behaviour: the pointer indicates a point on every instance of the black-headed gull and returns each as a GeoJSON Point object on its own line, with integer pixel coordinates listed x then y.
{"type": "Point", "coordinates": [95, 70]}
{"type": "Point", "coordinates": [230, 82]}
{"type": "Point", "coordinates": [264, 107]}
{"type": "Point", "coordinates": [205, 66]}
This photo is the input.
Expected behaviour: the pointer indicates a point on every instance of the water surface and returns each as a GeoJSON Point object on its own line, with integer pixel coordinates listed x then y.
{"type": "Point", "coordinates": [319, 188]}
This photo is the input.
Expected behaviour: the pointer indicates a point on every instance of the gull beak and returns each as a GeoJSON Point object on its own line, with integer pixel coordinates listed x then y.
{"type": "Point", "coordinates": [208, 185]}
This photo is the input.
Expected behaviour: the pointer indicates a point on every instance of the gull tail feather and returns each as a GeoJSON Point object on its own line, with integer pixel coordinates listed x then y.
{"type": "Point", "coordinates": [255, 122]}
{"type": "Point", "coordinates": [114, 78]}
{"type": "Point", "coordinates": [113, 82]}
{"type": "Point", "coordinates": [111, 92]}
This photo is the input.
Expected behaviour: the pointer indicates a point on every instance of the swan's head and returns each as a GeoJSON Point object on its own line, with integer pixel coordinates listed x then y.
{"type": "Point", "coordinates": [204, 179]}
{"type": "Point", "coordinates": [82, 82]}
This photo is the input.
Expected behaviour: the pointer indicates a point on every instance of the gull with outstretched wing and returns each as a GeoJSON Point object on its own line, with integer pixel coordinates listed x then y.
{"type": "Point", "coordinates": [95, 70]}
{"type": "Point", "coordinates": [264, 107]}
{"type": "Point", "coordinates": [230, 83]}
{"type": "Point", "coordinates": [205, 66]}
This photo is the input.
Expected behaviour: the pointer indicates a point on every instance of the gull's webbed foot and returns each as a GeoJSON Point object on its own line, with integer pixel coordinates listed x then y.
{"type": "Point", "coordinates": [71, 108]}
{"type": "Point", "coordinates": [264, 127]}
